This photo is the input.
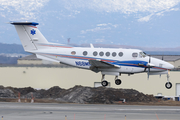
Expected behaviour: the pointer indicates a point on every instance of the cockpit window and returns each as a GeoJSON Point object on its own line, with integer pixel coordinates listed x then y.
{"type": "Point", "coordinates": [134, 54]}
{"type": "Point", "coordinates": [142, 54]}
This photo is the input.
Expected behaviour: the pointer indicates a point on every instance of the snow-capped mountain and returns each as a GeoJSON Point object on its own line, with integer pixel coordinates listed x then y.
{"type": "Point", "coordinates": [146, 23]}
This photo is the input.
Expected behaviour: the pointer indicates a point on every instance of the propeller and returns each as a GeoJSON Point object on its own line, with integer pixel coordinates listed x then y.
{"type": "Point", "coordinates": [149, 65]}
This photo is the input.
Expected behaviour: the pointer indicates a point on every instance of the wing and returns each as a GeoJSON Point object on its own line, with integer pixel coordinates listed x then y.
{"type": "Point", "coordinates": [95, 64]}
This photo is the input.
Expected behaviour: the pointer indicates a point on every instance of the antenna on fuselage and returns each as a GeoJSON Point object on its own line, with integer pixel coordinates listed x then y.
{"type": "Point", "coordinates": [68, 40]}
{"type": "Point", "coordinates": [91, 45]}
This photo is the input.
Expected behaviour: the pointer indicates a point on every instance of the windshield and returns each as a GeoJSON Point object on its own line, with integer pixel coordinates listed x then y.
{"type": "Point", "coordinates": [142, 54]}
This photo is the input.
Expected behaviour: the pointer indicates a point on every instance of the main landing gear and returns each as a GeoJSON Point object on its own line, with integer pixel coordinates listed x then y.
{"type": "Point", "coordinates": [168, 85]}
{"type": "Point", "coordinates": [117, 81]}
{"type": "Point", "coordinates": [105, 83]}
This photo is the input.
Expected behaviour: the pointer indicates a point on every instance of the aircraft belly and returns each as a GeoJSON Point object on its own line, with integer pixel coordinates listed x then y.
{"type": "Point", "coordinates": [137, 70]}
{"type": "Point", "coordinates": [156, 70]}
{"type": "Point", "coordinates": [124, 69]}
{"type": "Point", "coordinates": [111, 70]}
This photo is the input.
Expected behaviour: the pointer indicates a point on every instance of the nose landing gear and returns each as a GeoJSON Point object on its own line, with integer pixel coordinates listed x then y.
{"type": "Point", "coordinates": [168, 85]}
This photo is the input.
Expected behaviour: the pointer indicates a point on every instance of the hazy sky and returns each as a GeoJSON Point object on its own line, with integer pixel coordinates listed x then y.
{"type": "Point", "coordinates": [147, 23]}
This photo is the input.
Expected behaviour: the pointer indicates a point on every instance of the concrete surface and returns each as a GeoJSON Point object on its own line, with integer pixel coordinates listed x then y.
{"type": "Point", "coordinates": [54, 111]}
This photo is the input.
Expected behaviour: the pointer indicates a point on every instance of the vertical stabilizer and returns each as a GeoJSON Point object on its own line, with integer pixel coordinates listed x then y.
{"type": "Point", "coordinates": [30, 36]}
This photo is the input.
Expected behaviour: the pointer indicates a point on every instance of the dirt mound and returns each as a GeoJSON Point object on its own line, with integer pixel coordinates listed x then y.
{"type": "Point", "coordinates": [79, 94]}
{"type": "Point", "coordinates": [53, 92]}
{"type": "Point", "coordinates": [25, 90]}
{"type": "Point", "coordinates": [6, 93]}
{"type": "Point", "coordinates": [111, 95]}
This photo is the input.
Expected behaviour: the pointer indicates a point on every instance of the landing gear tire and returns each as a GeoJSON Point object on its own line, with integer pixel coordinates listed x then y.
{"type": "Point", "coordinates": [104, 83]}
{"type": "Point", "coordinates": [117, 81]}
{"type": "Point", "coordinates": [168, 85]}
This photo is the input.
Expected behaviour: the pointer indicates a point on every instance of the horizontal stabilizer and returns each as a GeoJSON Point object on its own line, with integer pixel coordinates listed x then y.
{"type": "Point", "coordinates": [24, 23]}
{"type": "Point", "coordinates": [46, 58]}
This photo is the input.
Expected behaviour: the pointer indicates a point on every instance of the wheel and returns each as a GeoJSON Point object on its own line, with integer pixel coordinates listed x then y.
{"type": "Point", "coordinates": [117, 81]}
{"type": "Point", "coordinates": [168, 85]}
{"type": "Point", "coordinates": [104, 83]}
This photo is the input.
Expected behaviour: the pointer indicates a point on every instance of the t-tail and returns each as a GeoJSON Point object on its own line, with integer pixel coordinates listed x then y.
{"type": "Point", "coordinates": [31, 38]}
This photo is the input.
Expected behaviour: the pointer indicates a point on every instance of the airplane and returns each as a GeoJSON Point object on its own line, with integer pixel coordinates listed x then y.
{"type": "Point", "coordinates": [108, 61]}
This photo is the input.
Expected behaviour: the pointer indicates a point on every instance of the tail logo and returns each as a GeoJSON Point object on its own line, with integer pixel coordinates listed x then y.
{"type": "Point", "coordinates": [33, 31]}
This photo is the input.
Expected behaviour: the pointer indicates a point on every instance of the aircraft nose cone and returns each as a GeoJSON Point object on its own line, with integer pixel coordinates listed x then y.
{"type": "Point", "coordinates": [165, 64]}
{"type": "Point", "coordinates": [170, 66]}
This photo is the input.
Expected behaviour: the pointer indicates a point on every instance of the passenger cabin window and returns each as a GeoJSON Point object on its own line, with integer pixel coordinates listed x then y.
{"type": "Point", "coordinates": [95, 53]}
{"type": "Point", "coordinates": [101, 53]}
{"type": "Point", "coordinates": [114, 54]}
{"type": "Point", "coordinates": [134, 54]}
{"type": "Point", "coordinates": [73, 52]}
{"type": "Point", "coordinates": [85, 53]}
{"type": "Point", "coordinates": [120, 54]}
{"type": "Point", "coordinates": [107, 54]}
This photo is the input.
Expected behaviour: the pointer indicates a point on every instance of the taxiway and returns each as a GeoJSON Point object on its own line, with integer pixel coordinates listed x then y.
{"type": "Point", "coordinates": [55, 111]}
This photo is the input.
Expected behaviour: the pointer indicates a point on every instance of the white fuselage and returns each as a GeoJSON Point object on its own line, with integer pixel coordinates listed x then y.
{"type": "Point", "coordinates": [79, 56]}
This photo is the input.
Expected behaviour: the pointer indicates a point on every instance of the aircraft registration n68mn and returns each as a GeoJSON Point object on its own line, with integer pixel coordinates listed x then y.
{"type": "Point", "coordinates": [108, 61]}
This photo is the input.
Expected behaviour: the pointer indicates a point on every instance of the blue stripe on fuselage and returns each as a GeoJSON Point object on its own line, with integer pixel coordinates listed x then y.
{"type": "Point", "coordinates": [132, 63]}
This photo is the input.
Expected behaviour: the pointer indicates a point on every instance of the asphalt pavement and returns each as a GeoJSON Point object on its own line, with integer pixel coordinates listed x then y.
{"type": "Point", "coordinates": [55, 111]}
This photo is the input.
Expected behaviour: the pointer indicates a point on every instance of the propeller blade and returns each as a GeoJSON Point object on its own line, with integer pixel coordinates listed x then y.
{"type": "Point", "coordinates": [149, 66]}
{"type": "Point", "coordinates": [145, 69]}
{"type": "Point", "coordinates": [148, 72]}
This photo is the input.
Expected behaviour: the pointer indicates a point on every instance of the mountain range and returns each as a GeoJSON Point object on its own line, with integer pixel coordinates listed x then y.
{"type": "Point", "coordinates": [152, 24]}
{"type": "Point", "coordinates": [12, 49]}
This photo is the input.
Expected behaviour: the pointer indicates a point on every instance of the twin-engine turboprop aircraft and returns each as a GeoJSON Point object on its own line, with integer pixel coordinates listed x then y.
{"type": "Point", "coordinates": [108, 61]}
